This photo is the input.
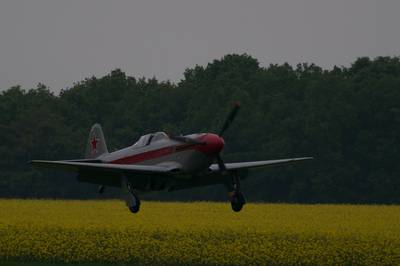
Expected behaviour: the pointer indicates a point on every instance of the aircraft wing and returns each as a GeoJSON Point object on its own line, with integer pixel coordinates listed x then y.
{"type": "Point", "coordinates": [244, 165]}
{"type": "Point", "coordinates": [141, 176]}
{"type": "Point", "coordinates": [73, 166]}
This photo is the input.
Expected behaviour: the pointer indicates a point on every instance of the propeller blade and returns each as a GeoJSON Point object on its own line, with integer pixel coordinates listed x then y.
{"type": "Point", "coordinates": [230, 118]}
{"type": "Point", "coordinates": [221, 164]}
{"type": "Point", "coordinates": [187, 140]}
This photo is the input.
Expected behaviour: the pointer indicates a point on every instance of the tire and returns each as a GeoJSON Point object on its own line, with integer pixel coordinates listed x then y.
{"type": "Point", "coordinates": [237, 201]}
{"type": "Point", "coordinates": [136, 207]}
{"type": "Point", "coordinates": [236, 207]}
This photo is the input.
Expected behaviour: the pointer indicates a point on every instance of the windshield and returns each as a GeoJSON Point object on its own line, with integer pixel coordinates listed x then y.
{"type": "Point", "coordinates": [159, 136]}
{"type": "Point", "coordinates": [150, 138]}
{"type": "Point", "coordinates": [143, 140]}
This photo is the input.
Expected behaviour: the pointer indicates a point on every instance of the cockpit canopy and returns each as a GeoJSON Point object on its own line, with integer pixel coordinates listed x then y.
{"type": "Point", "coordinates": [150, 138]}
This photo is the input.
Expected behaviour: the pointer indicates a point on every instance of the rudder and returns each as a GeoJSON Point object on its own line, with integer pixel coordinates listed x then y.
{"type": "Point", "coordinates": [96, 144]}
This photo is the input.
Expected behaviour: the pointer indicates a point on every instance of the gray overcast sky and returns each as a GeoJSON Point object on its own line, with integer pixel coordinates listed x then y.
{"type": "Point", "coordinates": [59, 42]}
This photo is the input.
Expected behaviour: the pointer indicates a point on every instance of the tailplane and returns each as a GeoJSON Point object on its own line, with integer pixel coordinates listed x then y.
{"type": "Point", "coordinates": [96, 144]}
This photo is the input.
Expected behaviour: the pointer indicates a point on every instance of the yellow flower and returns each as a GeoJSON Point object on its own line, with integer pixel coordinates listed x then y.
{"type": "Point", "coordinates": [199, 233]}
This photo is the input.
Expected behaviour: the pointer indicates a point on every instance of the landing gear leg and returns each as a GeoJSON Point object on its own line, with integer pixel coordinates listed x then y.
{"type": "Point", "coordinates": [236, 196]}
{"type": "Point", "coordinates": [131, 199]}
{"type": "Point", "coordinates": [101, 189]}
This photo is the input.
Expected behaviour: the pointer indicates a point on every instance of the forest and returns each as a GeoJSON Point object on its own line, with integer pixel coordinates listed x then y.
{"type": "Point", "coordinates": [347, 118]}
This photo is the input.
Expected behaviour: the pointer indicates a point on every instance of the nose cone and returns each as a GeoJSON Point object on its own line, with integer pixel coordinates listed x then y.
{"type": "Point", "coordinates": [214, 144]}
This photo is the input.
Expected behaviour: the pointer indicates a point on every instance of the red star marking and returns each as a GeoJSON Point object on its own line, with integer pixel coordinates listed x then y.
{"type": "Point", "coordinates": [94, 143]}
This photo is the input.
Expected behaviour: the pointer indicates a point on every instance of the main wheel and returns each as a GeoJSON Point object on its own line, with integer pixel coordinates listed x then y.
{"type": "Point", "coordinates": [134, 209]}
{"type": "Point", "coordinates": [134, 203]}
{"type": "Point", "coordinates": [237, 201]}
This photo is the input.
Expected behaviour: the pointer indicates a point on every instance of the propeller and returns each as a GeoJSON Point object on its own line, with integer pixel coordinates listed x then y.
{"type": "Point", "coordinates": [221, 164]}
{"type": "Point", "coordinates": [227, 124]}
{"type": "Point", "coordinates": [229, 119]}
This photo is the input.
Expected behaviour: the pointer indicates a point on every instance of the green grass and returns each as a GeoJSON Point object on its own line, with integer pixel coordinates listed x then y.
{"type": "Point", "coordinates": [56, 231]}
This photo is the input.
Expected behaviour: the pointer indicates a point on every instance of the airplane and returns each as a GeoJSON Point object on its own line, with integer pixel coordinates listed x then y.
{"type": "Point", "coordinates": [158, 162]}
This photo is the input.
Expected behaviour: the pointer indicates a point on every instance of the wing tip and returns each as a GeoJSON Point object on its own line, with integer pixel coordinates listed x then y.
{"type": "Point", "coordinates": [302, 159]}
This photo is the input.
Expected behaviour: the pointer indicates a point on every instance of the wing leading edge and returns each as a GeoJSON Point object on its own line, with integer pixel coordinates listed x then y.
{"type": "Point", "coordinates": [143, 177]}
{"type": "Point", "coordinates": [72, 166]}
{"type": "Point", "coordinates": [244, 165]}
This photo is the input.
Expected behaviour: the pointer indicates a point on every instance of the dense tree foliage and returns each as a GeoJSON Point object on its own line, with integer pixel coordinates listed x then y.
{"type": "Point", "coordinates": [347, 118]}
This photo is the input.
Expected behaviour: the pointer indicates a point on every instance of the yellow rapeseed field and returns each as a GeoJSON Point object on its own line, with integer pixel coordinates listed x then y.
{"type": "Point", "coordinates": [198, 233]}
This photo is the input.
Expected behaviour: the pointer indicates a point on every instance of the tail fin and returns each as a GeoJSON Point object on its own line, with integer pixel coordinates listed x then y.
{"type": "Point", "coordinates": [96, 144]}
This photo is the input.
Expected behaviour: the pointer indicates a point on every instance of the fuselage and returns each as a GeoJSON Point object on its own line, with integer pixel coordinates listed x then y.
{"type": "Point", "coordinates": [159, 149]}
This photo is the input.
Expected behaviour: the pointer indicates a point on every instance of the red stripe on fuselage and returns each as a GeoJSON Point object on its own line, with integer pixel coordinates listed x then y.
{"type": "Point", "coordinates": [213, 146]}
{"type": "Point", "coordinates": [149, 155]}
{"type": "Point", "coordinates": [136, 158]}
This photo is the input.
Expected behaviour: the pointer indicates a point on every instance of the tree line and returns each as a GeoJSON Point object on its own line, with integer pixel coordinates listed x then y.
{"type": "Point", "coordinates": [348, 118]}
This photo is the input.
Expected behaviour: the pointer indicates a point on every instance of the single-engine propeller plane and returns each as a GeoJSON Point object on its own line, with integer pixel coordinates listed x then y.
{"type": "Point", "coordinates": [161, 162]}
